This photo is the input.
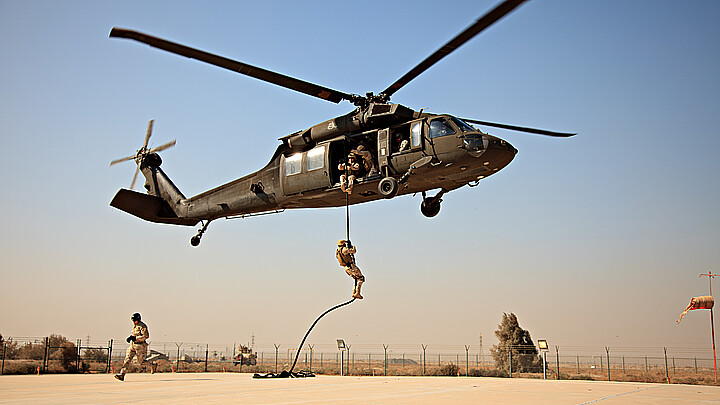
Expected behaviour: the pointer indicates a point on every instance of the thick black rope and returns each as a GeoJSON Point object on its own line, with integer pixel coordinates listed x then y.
{"type": "Point", "coordinates": [311, 328]}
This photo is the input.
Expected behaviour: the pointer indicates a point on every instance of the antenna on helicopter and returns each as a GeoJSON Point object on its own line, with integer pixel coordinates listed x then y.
{"type": "Point", "coordinates": [143, 152]}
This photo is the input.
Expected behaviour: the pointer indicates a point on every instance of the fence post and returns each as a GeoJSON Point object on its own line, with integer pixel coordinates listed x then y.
{"type": "Point", "coordinates": [370, 365]}
{"type": "Point", "coordinates": [177, 361]}
{"type": "Point", "coordinates": [623, 364]}
{"type": "Point", "coordinates": [607, 350]}
{"type": "Point", "coordinates": [673, 366]}
{"type": "Point", "coordinates": [424, 357]}
{"type": "Point", "coordinates": [311, 356]}
{"type": "Point", "coordinates": [510, 356]}
{"type": "Point", "coordinates": [695, 364]}
{"type": "Point", "coordinates": [77, 356]}
{"type": "Point", "coordinates": [646, 366]}
{"type": "Point", "coordinates": [439, 362]}
{"type": "Point", "coordinates": [385, 347]}
{"type": "Point", "coordinates": [207, 347]}
{"type": "Point", "coordinates": [467, 361]}
{"type": "Point", "coordinates": [347, 364]}
{"type": "Point", "coordinates": [46, 355]}
{"type": "Point", "coordinates": [276, 356]}
{"type": "Point", "coordinates": [2, 370]}
{"type": "Point", "coordinates": [557, 362]}
{"type": "Point", "coordinates": [667, 375]}
{"type": "Point", "coordinates": [109, 360]}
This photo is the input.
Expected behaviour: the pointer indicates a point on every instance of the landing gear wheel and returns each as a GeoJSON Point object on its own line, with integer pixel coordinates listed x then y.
{"type": "Point", "coordinates": [430, 209]}
{"type": "Point", "coordinates": [195, 240]}
{"type": "Point", "coordinates": [388, 187]}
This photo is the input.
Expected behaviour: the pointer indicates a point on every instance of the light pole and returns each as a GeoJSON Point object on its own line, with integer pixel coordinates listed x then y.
{"type": "Point", "coordinates": [543, 346]}
{"type": "Point", "coordinates": [341, 346]}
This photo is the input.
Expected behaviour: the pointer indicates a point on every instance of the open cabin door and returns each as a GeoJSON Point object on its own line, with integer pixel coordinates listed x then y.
{"type": "Point", "coordinates": [406, 145]}
{"type": "Point", "coordinates": [305, 171]}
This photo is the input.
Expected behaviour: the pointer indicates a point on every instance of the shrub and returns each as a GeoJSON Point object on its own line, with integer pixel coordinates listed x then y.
{"type": "Point", "coordinates": [449, 369]}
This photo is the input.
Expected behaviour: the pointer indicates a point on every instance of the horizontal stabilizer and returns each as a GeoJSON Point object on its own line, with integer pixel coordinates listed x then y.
{"type": "Point", "coordinates": [148, 207]}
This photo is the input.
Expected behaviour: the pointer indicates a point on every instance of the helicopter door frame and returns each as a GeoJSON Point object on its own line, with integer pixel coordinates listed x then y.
{"type": "Point", "coordinates": [383, 150]}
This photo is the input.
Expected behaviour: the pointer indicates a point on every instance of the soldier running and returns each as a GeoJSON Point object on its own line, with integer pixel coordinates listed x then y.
{"type": "Point", "coordinates": [138, 346]}
{"type": "Point", "coordinates": [346, 256]}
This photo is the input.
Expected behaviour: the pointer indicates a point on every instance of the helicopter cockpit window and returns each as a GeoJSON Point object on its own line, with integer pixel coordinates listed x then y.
{"type": "Point", "coordinates": [293, 164]}
{"type": "Point", "coordinates": [464, 127]}
{"type": "Point", "coordinates": [316, 158]}
{"type": "Point", "coordinates": [415, 132]}
{"type": "Point", "coordinates": [440, 127]}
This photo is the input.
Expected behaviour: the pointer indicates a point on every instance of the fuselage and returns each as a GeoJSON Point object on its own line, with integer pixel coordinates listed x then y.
{"type": "Point", "coordinates": [310, 178]}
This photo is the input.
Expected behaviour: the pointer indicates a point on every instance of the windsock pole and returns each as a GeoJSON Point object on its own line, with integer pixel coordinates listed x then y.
{"type": "Point", "coordinates": [712, 322]}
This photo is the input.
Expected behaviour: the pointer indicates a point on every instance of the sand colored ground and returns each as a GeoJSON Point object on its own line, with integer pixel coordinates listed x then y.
{"type": "Point", "coordinates": [221, 388]}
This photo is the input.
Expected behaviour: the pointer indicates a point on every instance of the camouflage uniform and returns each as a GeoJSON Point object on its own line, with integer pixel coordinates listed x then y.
{"type": "Point", "coordinates": [367, 159]}
{"type": "Point", "coordinates": [351, 170]}
{"type": "Point", "coordinates": [346, 258]}
{"type": "Point", "coordinates": [138, 347]}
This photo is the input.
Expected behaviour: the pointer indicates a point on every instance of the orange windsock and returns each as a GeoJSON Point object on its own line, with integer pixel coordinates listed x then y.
{"type": "Point", "coordinates": [704, 302]}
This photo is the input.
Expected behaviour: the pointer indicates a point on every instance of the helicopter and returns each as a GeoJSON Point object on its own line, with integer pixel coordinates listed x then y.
{"type": "Point", "coordinates": [406, 151]}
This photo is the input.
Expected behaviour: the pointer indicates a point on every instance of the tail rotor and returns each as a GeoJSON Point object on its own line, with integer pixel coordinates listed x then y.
{"type": "Point", "coordinates": [143, 152]}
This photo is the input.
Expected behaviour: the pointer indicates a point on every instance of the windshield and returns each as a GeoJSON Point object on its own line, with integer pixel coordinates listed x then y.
{"type": "Point", "coordinates": [464, 127]}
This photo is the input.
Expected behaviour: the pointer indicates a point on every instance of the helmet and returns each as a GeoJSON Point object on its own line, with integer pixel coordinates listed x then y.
{"type": "Point", "coordinates": [360, 148]}
{"type": "Point", "coordinates": [341, 242]}
{"type": "Point", "coordinates": [135, 317]}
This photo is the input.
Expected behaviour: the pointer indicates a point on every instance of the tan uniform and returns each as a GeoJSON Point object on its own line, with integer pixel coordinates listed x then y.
{"type": "Point", "coordinates": [346, 258]}
{"type": "Point", "coordinates": [348, 180]}
{"type": "Point", "coordinates": [138, 347]}
{"type": "Point", "coordinates": [367, 161]}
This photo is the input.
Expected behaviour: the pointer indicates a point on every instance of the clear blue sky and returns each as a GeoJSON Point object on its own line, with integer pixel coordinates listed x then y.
{"type": "Point", "coordinates": [594, 240]}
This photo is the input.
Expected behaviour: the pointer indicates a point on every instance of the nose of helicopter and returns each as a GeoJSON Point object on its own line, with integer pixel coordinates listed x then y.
{"type": "Point", "coordinates": [499, 153]}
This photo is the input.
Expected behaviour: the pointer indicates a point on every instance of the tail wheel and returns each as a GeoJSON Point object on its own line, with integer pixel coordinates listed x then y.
{"type": "Point", "coordinates": [388, 187]}
{"type": "Point", "coordinates": [430, 209]}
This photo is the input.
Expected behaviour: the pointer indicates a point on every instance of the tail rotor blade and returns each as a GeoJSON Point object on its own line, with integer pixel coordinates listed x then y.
{"type": "Point", "coordinates": [132, 185]}
{"type": "Point", "coordinates": [163, 147]}
{"type": "Point", "coordinates": [125, 159]}
{"type": "Point", "coordinates": [148, 133]}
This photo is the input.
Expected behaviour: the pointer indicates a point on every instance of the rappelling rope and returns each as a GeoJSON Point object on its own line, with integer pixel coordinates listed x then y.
{"type": "Point", "coordinates": [311, 328]}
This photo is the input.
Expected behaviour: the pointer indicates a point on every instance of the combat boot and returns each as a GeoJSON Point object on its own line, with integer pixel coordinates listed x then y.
{"type": "Point", "coordinates": [356, 290]}
{"type": "Point", "coordinates": [120, 377]}
{"type": "Point", "coordinates": [153, 368]}
{"type": "Point", "coordinates": [343, 184]}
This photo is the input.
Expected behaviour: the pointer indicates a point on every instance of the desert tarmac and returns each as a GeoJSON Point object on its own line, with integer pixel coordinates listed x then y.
{"type": "Point", "coordinates": [221, 388]}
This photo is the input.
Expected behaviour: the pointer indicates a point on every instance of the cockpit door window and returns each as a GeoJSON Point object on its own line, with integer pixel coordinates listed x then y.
{"type": "Point", "coordinates": [440, 127]}
{"type": "Point", "coordinates": [416, 134]}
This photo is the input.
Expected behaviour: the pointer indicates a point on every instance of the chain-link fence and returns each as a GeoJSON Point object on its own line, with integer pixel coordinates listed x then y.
{"type": "Point", "coordinates": [55, 354]}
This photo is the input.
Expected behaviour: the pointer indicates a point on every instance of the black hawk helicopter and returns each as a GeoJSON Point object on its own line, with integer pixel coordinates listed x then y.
{"type": "Point", "coordinates": [406, 151]}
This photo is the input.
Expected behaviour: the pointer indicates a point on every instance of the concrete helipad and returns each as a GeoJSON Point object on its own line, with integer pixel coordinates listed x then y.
{"type": "Point", "coordinates": [219, 388]}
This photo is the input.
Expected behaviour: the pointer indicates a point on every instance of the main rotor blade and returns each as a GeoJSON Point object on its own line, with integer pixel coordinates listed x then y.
{"type": "Point", "coordinates": [148, 134]}
{"type": "Point", "coordinates": [125, 159]}
{"type": "Point", "coordinates": [521, 129]}
{"type": "Point", "coordinates": [292, 83]}
{"type": "Point", "coordinates": [162, 147]}
{"type": "Point", "coordinates": [481, 24]}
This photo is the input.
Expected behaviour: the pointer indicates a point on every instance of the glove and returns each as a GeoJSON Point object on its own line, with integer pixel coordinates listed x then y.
{"type": "Point", "coordinates": [349, 244]}
{"type": "Point", "coordinates": [130, 338]}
